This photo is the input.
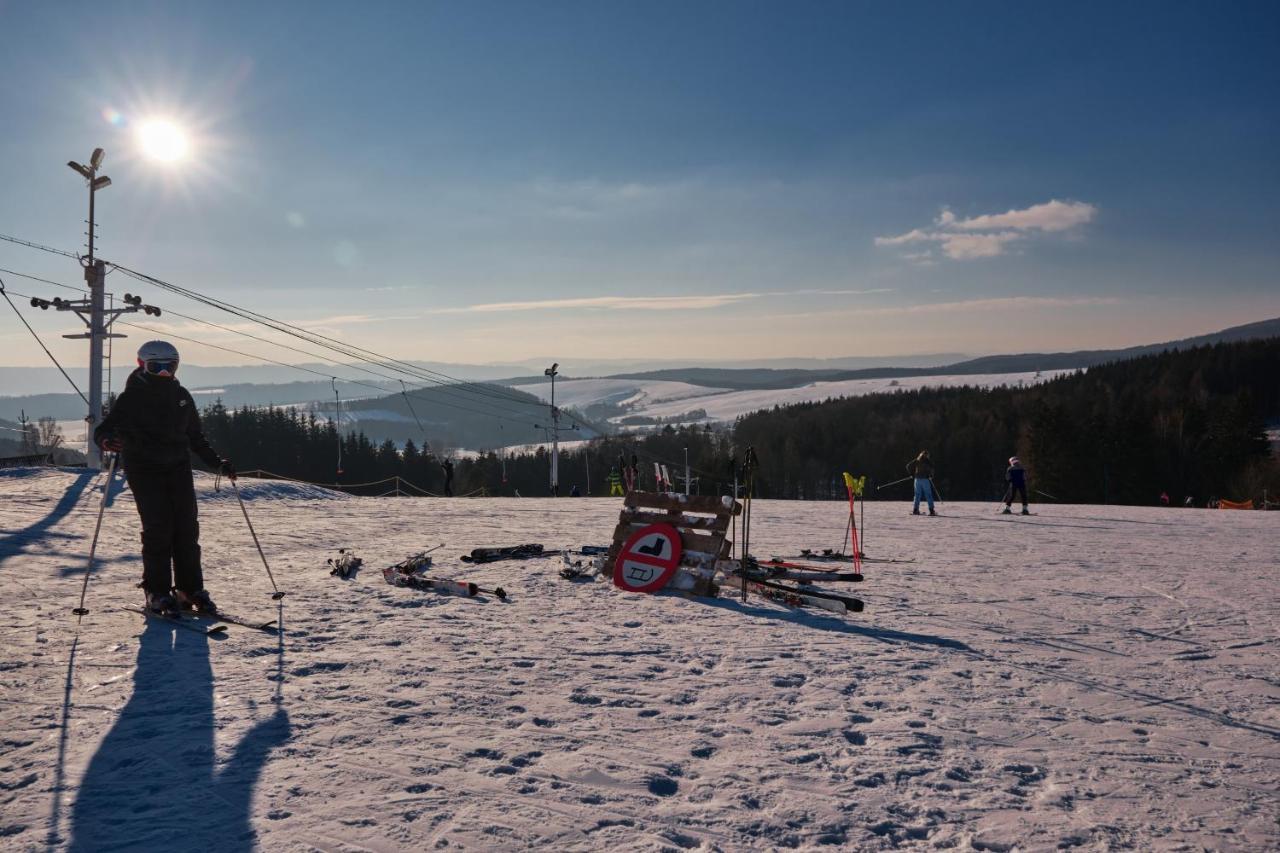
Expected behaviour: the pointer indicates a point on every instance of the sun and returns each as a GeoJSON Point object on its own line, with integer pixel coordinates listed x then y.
{"type": "Point", "coordinates": [162, 140]}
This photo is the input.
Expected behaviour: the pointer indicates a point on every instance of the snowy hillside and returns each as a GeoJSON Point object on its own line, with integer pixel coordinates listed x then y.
{"type": "Point", "coordinates": [666, 399]}
{"type": "Point", "coordinates": [1091, 677]}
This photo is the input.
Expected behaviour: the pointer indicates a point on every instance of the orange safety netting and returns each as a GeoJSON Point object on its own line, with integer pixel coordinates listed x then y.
{"type": "Point", "coordinates": [1226, 504]}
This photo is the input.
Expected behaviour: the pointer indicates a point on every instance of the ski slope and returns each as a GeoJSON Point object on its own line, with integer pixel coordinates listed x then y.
{"type": "Point", "coordinates": [1091, 677]}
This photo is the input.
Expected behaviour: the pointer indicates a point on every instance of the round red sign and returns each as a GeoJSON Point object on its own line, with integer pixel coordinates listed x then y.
{"type": "Point", "coordinates": [648, 559]}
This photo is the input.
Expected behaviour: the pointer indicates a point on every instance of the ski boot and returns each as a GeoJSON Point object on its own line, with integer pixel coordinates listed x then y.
{"type": "Point", "coordinates": [1009, 510]}
{"type": "Point", "coordinates": [199, 601]}
{"type": "Point", "coordinates": [1026, 511]}
{"type": "Point", "coordinates": [162, 604]}
{"type": "Point", "coordinates": [931, 512]}
{"type": "Point", "coordinates": [915, 512]}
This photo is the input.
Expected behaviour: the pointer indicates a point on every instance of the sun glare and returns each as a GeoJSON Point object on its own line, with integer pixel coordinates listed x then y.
{"type": "Point", "coordinates": [162, 140]}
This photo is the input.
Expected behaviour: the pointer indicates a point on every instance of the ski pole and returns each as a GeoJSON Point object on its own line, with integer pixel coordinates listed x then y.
{"type": "Point", "coordinates": [894, 483]}
{"type": "Point", "coordinates": [1046, 494]}
{"type": "Point", "coordinates": [277, 595]}
{"type": "Point", "coordinates": [93, 546]}
{"type": "Point", "coordinates": [935, 491]}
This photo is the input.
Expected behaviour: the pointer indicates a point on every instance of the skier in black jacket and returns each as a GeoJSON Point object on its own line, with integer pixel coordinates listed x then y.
{"type": "Point", "coordinates": [155, 426]}
{"type": "Point", "coordinates": [1016, 477]}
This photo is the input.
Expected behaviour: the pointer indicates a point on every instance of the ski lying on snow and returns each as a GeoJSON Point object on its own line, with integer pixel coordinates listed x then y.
{"type": "Point", "coordinates": [758, 581]}
{"type": "Point", "coordinates": [447, 587]}
{"type": "Point", "coordinates": [781, 569]}
{"type": "Point", "coordinates": [189, 624]}
{"type": "Point", "coordinates": [810, 577]}
{"type": "Point", "coordinates": [515, 552]}
{"type": "Point", "coordinates": [790, 597]}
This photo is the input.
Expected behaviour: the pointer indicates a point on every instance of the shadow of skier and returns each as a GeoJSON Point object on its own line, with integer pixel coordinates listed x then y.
{"type": "Point", "coordinates": [152, 784]}
{"type": "Point", "coordinates": [15, 542]}
{"type": "Point", "coordinates": [815, 619]}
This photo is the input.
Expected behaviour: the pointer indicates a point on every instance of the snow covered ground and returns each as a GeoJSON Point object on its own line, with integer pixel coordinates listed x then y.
{"type": "Point", "coordinates": [666, 399]}
{"type": "Point", "coordinates": [1093, 677]}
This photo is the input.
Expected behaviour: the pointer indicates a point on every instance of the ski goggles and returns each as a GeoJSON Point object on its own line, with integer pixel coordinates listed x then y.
{"type": "Point", "coordinates": [166, 367]}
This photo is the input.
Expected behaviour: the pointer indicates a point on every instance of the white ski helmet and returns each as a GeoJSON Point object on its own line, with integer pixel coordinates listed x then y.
{"type": "Point", "coordinates": [158, 357]}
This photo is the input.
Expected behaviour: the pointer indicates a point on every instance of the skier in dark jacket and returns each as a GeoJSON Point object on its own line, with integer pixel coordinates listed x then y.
{"type": "Point", "coordinates": [154, 425]}
{"type": "Point", "coordinates": [921, 469]}
{"type": "Point", "coordinates": [1016, 477]}
{"type": "Point", "coordinates": [447, 466]}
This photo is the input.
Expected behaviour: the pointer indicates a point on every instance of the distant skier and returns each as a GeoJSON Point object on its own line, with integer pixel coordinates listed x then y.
{"type": "Point", "coordinates": [921, 468]}
{"type": "Point", "coordinates": [574, 492]}
{"type": "Point", "coordinates": [1164, 499]}
{"type": "Point", "coordinates": [154, 425]}
{"type": "Point", "coordinates": [1016, 477]}
{"type": "Point", "coordinates": [615, 483]}
{"type": "Point", "coordinates": [447, 467]}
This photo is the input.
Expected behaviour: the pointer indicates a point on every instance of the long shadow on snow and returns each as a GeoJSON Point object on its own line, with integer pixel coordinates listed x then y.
{"type": "Point", "coordinates": [152, 784]}
{"type": "Point", "coordinates": [16, 542]}
{"type": "Point", "coordinates": [838, 626]}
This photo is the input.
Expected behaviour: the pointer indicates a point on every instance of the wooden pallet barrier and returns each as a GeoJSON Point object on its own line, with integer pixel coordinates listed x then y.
{"type": "Point", "coordinates": [670, 541]}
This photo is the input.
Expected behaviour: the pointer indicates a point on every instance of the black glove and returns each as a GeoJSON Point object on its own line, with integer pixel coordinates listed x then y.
{"type": "Point", "coordinates": [226, 469]}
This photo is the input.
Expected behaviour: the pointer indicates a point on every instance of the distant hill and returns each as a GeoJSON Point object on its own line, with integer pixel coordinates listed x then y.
{"type": "Point", "coordinates": [761, 379]}
{"type": "Point", "coordinates": [477, 416]}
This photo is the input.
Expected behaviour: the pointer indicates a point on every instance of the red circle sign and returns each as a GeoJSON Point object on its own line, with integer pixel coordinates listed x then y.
{"type": "Point", "coordinates": [648, 559]}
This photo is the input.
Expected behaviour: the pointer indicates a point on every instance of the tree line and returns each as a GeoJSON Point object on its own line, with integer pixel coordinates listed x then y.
{"type": "Point", "coordinates": [1188, 423]}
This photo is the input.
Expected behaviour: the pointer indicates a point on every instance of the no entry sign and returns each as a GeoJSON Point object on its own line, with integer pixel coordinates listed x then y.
{"type": "Point", "coordinates": [648, 559]}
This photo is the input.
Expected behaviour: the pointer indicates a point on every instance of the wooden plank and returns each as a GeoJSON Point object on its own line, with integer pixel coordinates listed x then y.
{"type": "Point", "coordinates": [690, 540]}
{"type": "Point", "coordinates": [719, 523]}
{"type": "Point", "coordinates": [684, 503]}
{"type": "Point", "coordinates": [699, 548]}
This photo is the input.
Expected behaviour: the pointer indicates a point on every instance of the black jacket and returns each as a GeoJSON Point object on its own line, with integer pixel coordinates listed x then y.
{"type": "Point", "coordinates": [920, 468]}
{"type": "Point", "coordinates": [157, 420]}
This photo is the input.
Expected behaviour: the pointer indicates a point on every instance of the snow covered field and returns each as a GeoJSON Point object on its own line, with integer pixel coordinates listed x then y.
{"type": "Point", "coordinates": [667, 399]}
{"type": "Point", "coordinates": [1092, 677]}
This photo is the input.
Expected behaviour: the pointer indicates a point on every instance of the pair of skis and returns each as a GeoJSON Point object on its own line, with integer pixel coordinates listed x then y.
{"type": "Point", "coordinates": [778, 569]}
{"type": "Point", "coordinates": [793, 597]}
{"type": "Point", "coordinates": [761, 581]}
{"type": "Point", "coordinates": [408, 573]}
{"type": "Point", "coordinates": [448, 587]}
{"type": "Point", "coordinates": [207, 623]}
{"type": "Point", "coordinates": [515, 552]}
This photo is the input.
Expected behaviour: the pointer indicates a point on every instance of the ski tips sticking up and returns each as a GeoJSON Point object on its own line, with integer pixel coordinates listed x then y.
{"type": "Point", "coordinates": [345, 564]}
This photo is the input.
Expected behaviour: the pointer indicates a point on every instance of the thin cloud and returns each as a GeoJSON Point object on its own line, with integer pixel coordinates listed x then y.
{"type": "Point", "coordinates": [990, 235]}
{"type": "Point", "coordinates": [990, 305]}
{"type": "Point", "coordinates": [647, 303]}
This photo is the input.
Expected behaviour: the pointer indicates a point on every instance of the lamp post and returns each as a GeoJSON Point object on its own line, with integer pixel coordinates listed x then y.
{"type": "Point", "coordinates": [91, 311]}
{"type": "Point", "coordinates": [94, 275]}
{"type": "Point", "coordinates": [555, 432]}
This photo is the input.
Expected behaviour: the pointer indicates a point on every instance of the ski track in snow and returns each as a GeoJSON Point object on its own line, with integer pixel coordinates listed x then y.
{"type": "Point", "coordinates": [1092, 677]}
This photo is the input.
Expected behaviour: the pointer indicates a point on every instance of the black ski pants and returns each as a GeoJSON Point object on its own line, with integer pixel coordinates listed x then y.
{"type": "Point", "coordinates": [166, 501]}
{"type": "Point", "coordinates": [1014, 491]}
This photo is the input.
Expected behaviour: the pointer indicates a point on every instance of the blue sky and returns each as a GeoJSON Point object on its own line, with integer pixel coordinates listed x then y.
{"type": "Point", "coordinates": [478, 181]}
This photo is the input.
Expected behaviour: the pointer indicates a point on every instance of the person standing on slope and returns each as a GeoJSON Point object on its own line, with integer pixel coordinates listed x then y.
{"type": "Point", "coordinates": [154, 425]}
{"type": "Point", "coordinates": [447, 467]}
{"type": "Point", "coordinates": [615, 483]}
{"type": "Point", "coordinates": [921, 468]}
{"type": "Point", "coordinates": [1016, 477]}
